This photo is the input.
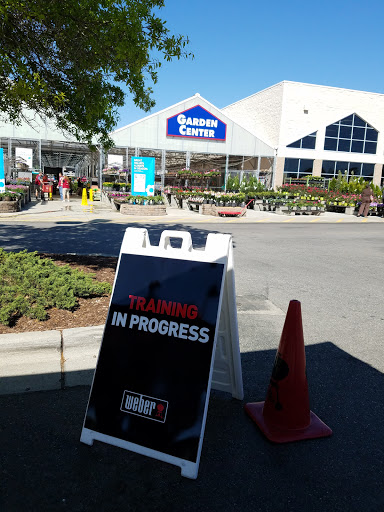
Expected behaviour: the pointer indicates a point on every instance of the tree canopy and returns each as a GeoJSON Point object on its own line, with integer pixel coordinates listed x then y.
{"type": "Point", "coordinates": [68, 59]}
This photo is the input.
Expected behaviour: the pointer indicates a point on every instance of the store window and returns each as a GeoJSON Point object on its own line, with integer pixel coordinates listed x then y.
{"type": "Point", "coordinates": [297, 167]}
{"type": "Point", "coordinates": [351, 135]}
{"type": "Point", "coordinates": [331, 168]}
{"type": "Point", "coordinates": [308, 142]}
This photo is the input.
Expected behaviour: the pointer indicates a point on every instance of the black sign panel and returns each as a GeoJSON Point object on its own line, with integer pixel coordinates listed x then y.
{"type": "Point", "coordinates": [151, 382]}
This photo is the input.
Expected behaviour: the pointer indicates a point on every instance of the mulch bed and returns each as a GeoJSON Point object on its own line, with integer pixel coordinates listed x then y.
{"type": "Point", "coordinates": [89, 311]}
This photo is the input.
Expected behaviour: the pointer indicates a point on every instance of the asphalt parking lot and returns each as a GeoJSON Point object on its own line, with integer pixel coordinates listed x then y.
{"type": "Point", "coordinates": [330, 268]}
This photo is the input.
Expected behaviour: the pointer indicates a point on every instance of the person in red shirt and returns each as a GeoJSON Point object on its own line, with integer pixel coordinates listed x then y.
{"type": "Point", "coordinates": [66, 187]}
{"type": "Point", "coordinates": [38, 186]}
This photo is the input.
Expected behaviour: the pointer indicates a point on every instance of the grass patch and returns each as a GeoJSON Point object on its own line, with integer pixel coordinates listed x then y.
{"type": "Point", "coordinates": [30, 285]}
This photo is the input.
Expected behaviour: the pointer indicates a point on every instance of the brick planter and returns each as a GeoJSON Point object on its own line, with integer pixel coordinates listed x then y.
{"type": "Point", "coordinates": [9, 206]}
{"type": "Point", "coordinates": [147, 209]}
{"type": "Point", "coordinates": [208, 209]}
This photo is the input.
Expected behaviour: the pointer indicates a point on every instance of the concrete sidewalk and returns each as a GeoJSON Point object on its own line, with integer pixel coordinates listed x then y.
{"type": "Point", "coordinates": [56, 210]}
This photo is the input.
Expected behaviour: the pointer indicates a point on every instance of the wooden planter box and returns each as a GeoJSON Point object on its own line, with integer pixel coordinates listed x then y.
{"type": "Point", "coordinates": [141, 210]}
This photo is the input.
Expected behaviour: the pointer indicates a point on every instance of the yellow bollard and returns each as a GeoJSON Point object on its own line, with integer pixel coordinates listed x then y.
{"type": "Point", "coordinates": [90, 194]}
{"type": "Point", "coordinates": [84, 201]}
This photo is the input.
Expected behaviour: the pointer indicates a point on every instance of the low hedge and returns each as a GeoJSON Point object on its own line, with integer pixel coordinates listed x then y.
{"type": "Point", "coordinates": [31, 285]}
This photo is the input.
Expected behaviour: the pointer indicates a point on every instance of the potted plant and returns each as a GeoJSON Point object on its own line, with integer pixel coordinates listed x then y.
{"type": "Point", "coordinates": [8, 196]}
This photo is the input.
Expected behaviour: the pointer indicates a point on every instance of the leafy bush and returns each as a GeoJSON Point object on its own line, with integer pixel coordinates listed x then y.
{"type": "Point", "coordinates": [12, 195]}
{"type": "Point", "coordinates": [233, 184]}
{"type": "Point", "coordinates": [31, 285]}
{"type": "Point", "coordinates": [355, 185]}
{"type": "Point", "coordinates": [157, 199]}
{"type": "Point", "coordinates": [74, 186]}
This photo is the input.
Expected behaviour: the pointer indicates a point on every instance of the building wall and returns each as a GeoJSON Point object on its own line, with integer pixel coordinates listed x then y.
{"type": "Point", "coordinates": [317, 167]}
{"type": "Point", "coordinates": [289, 111]}
{"type": "Point", "coordinates": [279, 170]}
{"type": "Point", "coordinates": [324, 106]}
{"type": "Point", "coordinates": [260, 113]}
{"type": "Point", "coordinates": [310, 108]}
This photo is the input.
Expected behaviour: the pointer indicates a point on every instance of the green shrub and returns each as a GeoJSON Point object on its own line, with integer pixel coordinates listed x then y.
{"type": "Point", "coordinates": [229, 184]}
{"type": "Point", "coordinates": [74, 186]}
{"type": "Point", "coordinates": [31, 285]}
{"type": "Point", "coordinates": [233, 184]}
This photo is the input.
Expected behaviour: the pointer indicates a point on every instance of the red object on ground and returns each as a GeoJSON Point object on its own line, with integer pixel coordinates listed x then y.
{"type": "Point", "coordinates": [236, 214]}
{"type": "Point", "coordinates": [285, 415]}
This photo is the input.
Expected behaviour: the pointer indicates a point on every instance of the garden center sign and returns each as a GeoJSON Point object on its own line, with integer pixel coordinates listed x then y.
{"type": "Point", "coordinates": [196, 123]}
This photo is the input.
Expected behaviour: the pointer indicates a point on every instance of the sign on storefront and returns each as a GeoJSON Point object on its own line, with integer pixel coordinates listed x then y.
{"type": "Point", "coordinates": [152, 382]}
{"type": "Point", "coordinates": [143, 176]}
{"type": "Point", "coordinates": [196, 123]}
{"type": "Point", "coordinates": [115, 161]}
{"type": "Point", "coordinates": [23, 157]}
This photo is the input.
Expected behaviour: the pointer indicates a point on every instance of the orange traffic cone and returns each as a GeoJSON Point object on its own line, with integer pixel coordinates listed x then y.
{"type": "Point", "coordinates": [285, 414]}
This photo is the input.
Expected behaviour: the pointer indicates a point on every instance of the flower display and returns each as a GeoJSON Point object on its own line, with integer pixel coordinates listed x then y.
{"type": "Point", "coordinates": [198, 174]}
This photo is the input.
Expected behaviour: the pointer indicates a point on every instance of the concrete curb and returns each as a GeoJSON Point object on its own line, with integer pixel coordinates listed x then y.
{"type": "Point", "coordinates": [46, 360]}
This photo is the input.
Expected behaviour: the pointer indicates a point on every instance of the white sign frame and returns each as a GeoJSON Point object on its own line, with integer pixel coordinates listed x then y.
{"type": "Point", "coordinates": [225, 372]}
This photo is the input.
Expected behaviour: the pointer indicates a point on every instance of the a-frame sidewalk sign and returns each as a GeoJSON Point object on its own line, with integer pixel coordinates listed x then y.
{"type": "Point", "coordinates": [171, 333]}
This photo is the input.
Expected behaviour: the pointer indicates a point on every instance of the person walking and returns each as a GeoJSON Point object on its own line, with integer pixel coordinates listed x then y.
{"type": "Point", "coordinates": [366, 199]}
{"type": "Point", "coordinates": [60, 186]}
{"type": "Point", "coordinates": [38, 186]}
{"type": "Point", "coordinates": [66, 187]}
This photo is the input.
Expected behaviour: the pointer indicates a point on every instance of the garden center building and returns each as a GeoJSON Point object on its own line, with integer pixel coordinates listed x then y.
{"type": "Point", "coordinates": [194, 134]}
{"type": "Point", "coordinates": [288, 130]}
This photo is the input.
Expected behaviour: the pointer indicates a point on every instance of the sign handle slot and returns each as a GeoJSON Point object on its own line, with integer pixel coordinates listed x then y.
{"type": "Point", "coordinates": [165, 240]}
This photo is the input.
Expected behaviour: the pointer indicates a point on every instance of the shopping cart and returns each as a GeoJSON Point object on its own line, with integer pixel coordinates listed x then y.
{"type": "Point", "coordinates": [228, 213]}
{"type": "Point", "coordinates": [47, 191]}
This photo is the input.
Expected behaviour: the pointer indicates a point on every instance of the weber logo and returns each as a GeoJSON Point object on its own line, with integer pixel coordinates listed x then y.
{"type": "Point", "coordinates": [144, 406]}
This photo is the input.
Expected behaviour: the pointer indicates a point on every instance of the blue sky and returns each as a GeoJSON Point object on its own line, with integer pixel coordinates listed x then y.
{"type": "Point", "coordinates": [243, 47]}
